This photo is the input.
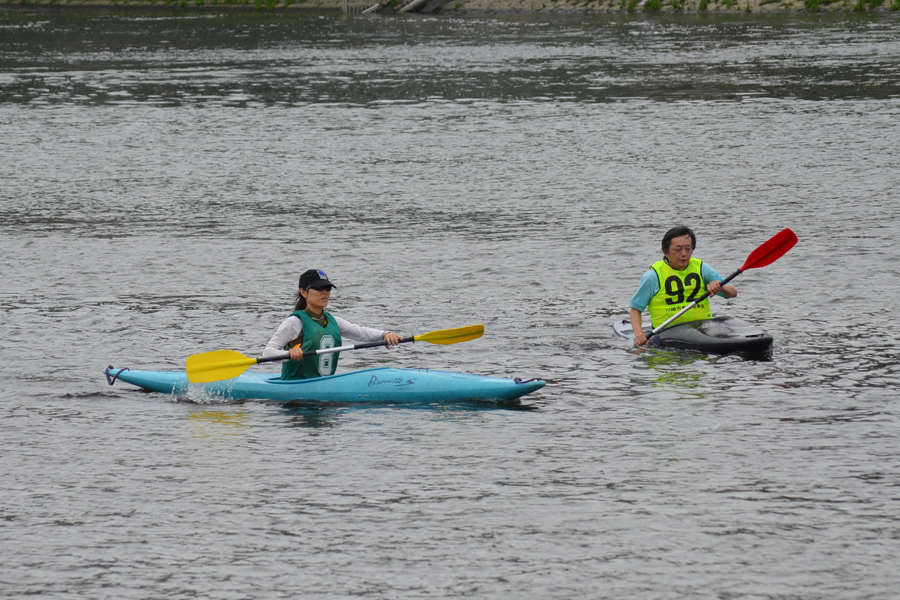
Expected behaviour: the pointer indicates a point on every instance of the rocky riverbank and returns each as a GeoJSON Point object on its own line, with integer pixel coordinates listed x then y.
{"type": "Point", "coordinates": [484, 6]}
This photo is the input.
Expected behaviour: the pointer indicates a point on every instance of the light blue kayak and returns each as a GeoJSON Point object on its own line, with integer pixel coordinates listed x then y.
{"type": "Point", "coordinates": [370, 385]}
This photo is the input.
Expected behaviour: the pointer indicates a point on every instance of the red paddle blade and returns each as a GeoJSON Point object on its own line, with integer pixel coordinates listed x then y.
{"type": "Point", "coordinates": [772, 250]}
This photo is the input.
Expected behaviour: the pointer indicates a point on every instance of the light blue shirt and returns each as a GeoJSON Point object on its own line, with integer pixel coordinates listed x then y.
{"type": "Point", "coordinates": [649, 286]}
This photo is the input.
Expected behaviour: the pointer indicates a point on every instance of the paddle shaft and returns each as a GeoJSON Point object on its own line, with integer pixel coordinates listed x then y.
{"type": "Point", "coordinates": [337, 349]}
{"type": "Point", "coordinates": [691, 305]}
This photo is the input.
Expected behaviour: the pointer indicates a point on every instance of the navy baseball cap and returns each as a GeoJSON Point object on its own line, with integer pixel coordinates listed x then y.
{"type": "Point", "coordinates": [315, 279]}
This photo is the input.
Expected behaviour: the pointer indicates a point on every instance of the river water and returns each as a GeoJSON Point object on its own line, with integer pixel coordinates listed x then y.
{"type": "Point", "coordinates": [166, 178]}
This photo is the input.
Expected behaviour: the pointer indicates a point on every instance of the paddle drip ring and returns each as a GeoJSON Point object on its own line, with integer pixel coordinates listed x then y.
{"type": "Point", "coordinates": [112, 380]}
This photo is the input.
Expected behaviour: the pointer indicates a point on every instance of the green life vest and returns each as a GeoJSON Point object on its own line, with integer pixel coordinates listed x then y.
{"type": "Point", "coordinates": [315, 337]}
{"type": "Point", "coordinates": [677, 289]}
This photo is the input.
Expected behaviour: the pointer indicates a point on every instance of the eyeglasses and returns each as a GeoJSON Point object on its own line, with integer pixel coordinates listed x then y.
{"type": "Point", "coordinates": [327, 288]}
{"type": "Point", "coordinates": [680, 249]}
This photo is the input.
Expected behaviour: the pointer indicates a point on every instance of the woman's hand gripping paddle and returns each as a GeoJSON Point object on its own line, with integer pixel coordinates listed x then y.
{"type": "Point", "coordinates": [226, 364]}
{"type": "Point", "coordinates": [773, 249]}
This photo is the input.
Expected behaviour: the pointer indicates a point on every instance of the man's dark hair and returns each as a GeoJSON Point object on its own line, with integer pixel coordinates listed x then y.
{"type": "Point", "coordinates": [677, 232]}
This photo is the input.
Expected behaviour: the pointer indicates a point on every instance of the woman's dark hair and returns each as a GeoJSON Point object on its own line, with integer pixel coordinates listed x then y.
{"type": "Point", "coordinates": [677, 232]}
{"type": "Point", "coordinates": [299, 301]}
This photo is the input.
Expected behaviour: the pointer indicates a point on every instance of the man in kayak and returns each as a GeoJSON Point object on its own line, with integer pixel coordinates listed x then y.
{"type": "Point", "coordinates": [310, 328]}
{"type": "Point", "coordinates": [674, 282]}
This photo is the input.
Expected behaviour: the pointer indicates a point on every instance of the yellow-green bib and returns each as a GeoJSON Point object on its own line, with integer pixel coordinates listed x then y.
{"type": "Point", "coordinates": [677, 289]}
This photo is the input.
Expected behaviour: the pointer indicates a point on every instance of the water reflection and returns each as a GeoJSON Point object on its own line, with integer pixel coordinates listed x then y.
{"type": "Point", "coordinates": [283, 60]}
{"type": "Point", "coordinates": [216, 424]}
{"type": "Point", "coordinates": [672, 368]}
{"type": "Point", "coordinates": [304, 413]}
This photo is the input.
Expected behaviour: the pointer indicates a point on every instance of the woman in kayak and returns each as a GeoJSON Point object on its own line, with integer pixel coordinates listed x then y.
{"type": "Point", "coordinates": [310, 328]}
{"type": "Point", "coordinates": [674, 282]}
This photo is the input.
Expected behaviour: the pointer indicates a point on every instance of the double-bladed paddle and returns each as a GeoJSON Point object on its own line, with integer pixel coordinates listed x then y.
{"type": "Point", "coordinates": [226, 364]}
{"type": "Point", "coordinates": [770, 251]}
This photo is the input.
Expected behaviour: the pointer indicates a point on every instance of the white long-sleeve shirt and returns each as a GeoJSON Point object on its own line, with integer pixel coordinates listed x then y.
{"type": "Point", "coordinates": [292, 329]}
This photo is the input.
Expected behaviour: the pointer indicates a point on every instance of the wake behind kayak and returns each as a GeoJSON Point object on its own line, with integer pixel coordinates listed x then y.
{"type": "Point", "coordinates": [719, 335]}
{"type": "Point", "coordinates": [370, 385]}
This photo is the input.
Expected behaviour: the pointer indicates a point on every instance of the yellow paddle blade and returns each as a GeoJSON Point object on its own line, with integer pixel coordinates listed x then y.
{"type": "Point", "coordinates": [216, 365]}
{"type": "Point", "coordinates": [451, 336]}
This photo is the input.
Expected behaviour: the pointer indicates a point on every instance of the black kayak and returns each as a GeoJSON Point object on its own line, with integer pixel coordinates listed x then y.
{"type": "Point", "coordinates": [719, 335]}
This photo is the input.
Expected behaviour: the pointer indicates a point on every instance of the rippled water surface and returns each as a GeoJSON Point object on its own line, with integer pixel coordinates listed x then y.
{"type": "Point", "coordinates": [165, 179]}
